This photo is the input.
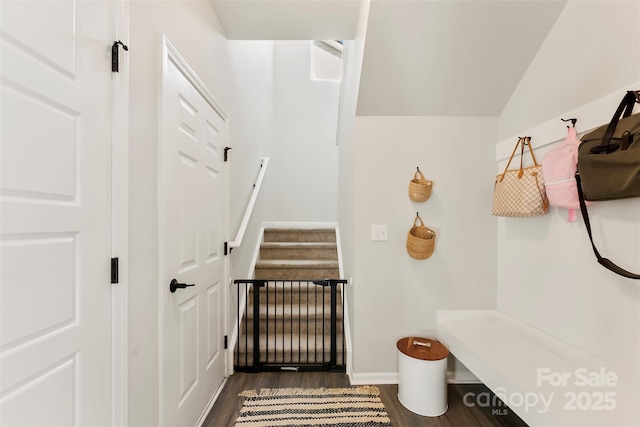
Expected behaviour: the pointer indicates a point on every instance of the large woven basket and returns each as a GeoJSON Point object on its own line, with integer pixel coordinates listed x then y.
{"type": "Point", "coordinates": [419, 188]}
{"type": "Point", "coordinates": [421, 240]}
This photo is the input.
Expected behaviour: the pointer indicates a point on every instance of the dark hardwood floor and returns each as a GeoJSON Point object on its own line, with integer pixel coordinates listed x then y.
{"type": "Point", "coordinates": [228, 404]}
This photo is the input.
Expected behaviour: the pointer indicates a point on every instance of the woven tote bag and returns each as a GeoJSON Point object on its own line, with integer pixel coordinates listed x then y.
{"type": "Point", "coordinates": [421, 240]}
{"type": "Point", "coordinates": [520, 192]}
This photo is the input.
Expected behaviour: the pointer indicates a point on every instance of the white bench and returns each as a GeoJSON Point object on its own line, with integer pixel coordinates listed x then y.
{"type": "Point", "coordinates": [535, 374]}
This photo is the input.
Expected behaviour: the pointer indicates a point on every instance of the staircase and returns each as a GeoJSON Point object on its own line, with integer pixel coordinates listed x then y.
{"type": "Point", "coordinates": [298, 254]}
{"type": "Point", "coordinates": [292, 315]}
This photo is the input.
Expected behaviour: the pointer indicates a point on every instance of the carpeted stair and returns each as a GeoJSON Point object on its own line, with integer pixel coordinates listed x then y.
{"type": "Point", "coordinates": [294, 313]}
{"type": "Point", "coordinates": [298, 254]}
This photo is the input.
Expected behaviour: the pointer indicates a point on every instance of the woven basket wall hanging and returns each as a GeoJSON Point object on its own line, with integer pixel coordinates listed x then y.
{"type": "Point", "coordinates": [421, 240]}
{"type": "Point", "coordinates": [419, 187]}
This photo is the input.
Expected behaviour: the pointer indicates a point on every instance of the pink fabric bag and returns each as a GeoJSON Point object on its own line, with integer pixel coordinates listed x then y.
{"type": "Point", "coordinates": [559, 169]}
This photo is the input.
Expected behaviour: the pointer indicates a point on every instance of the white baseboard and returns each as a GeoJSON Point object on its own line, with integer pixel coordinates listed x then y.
{"type": "Point", "coordinates": [212, 402]}
{"type": "Point", "coordinates": [361, 378]}
{"type": "Point", "coordinates": [457, 378]}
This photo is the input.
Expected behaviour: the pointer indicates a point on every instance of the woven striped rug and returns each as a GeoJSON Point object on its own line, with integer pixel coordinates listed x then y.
{"type": "Point", "coordinates": [336, 407]}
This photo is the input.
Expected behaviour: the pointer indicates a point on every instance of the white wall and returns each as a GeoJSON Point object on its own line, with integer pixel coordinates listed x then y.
{"type": "Point", "coordinates": [301, 184]}
{"type": "Point", "coordinates": [352, 67]}
{"type": "Point", "coordinates": [296, 129]}
{"type": "Point", "coordinates": [591, 51]}
{"type": "Point", "coordinates": [547, 274]}
{"type": "Point", "coordinates": [239, 74]}
{"type": "Point", "coordinates": [252, 114]}
{"type": "Point", "coordinates": [298, 134]}
{"type": "Point", "coordinates": [325, 65]}
{"type": "Point", "coordinates": [395, 295]}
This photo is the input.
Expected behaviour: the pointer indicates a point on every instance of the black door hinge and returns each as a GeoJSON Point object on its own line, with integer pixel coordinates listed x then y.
{"type": "Point", "coordinates": [227, 249]}
{"type": "Point", "coordinates": [226, 341]}
{"type": "Point", "coordinates": [114, 270]}
{"type": "Point", "coordinates": [226, 156]}
{"type": "Point", "coordinates": [114, 55]}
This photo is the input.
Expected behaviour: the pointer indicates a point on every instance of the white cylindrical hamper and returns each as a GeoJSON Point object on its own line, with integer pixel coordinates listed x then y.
{"type": "Point", "coordinates": [422, 376]}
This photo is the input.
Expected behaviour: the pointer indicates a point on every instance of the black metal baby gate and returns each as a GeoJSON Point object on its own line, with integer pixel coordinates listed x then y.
{"type": "Point", "coordinates": [290, 325]}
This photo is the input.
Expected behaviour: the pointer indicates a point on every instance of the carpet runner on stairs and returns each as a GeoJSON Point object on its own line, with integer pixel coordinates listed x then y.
{"type": "Point", "coordinates": [298, 254]}
{"type": "Point", "coordinates": [294, 312]}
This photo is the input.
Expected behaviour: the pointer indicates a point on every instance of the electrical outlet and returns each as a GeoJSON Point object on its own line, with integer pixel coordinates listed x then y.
{"type": "Point", "coordinates": [379, 233]}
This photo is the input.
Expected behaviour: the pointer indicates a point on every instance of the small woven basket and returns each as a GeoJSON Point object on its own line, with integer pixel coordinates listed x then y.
{"type": "Point", "coordinates": [419, 188]}
{"type": "Point", "coordinates": [421, 240]}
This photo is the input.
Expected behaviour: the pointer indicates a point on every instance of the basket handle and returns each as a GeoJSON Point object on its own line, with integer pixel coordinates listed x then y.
{"type": "Point", "coordinates": [418, 219]}
{"type": "Point", "coordinates": [418, 174]}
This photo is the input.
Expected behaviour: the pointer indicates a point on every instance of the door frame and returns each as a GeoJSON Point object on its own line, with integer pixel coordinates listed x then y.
{"type": "Point", "coordinates": [120, 219]}
{"type": "Point", "coordinates": [171, 55]}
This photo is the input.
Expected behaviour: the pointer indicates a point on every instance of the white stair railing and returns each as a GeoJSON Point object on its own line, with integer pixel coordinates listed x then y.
{"type": "Point", "coordinates": [252, 201]}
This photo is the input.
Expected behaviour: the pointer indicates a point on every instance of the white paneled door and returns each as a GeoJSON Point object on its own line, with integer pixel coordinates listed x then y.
{"type": "Point", "coordinates": [192, 239]}
{"type": "Point", "coordinates": [55, 291]}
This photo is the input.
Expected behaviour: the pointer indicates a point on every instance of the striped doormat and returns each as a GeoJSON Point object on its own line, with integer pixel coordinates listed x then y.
{"type": "Point", "coordinates": [336, 407]}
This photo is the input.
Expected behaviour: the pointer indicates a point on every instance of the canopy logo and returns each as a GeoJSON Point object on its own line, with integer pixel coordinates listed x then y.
{"type": "Point", "coordinates": [578, 390]}
{"type": "Point", "coordinates": [499, 400]}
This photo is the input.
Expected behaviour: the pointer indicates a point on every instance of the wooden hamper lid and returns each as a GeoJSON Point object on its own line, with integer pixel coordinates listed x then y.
{"type": "Point", "coordinates": [422, 348]}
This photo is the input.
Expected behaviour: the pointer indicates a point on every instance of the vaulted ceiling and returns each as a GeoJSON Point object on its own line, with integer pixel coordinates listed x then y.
{"type": "Point", "coordinates": [421, 57]}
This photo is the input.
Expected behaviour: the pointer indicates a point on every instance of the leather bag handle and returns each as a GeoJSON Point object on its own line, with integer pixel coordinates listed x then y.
{"type": "Point", "coordinates": [527, 142]}
{"type": "Point", "coordinates": [513, 153]}
{"type": "Point", "coordinates": [624, 110]}
{"type": "Point", "coordinates": [522, 141]}
{"type": "Point", "coordinates": [606, 263]}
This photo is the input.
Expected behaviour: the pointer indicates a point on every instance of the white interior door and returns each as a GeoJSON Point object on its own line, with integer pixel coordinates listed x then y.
{"type": "Point", "coordinates": [192, 239]}
{"type": "Point", "coordinates": [55, 291]}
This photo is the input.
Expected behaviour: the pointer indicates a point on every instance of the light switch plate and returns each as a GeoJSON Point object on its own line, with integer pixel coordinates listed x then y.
{"type": "Point", "coordinates": [379, 233]}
